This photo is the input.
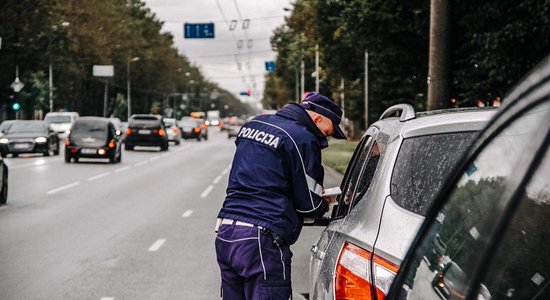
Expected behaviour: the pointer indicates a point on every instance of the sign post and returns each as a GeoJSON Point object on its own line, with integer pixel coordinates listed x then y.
{"type": "Point", "coordinates": [198, 30]}
{"type": "Point", "coordinates": [104, 71]}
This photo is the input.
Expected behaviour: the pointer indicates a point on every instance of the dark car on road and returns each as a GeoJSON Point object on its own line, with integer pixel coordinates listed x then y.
{"type": "Point", "coordinates": [29, 137]}
{"type": "Point", "coordinates": [397, 169]}
{"type": "Point", "coordinates": [93, 137]}
{"type": "Point", "coordinates": [493, 214]}
{"type": "Point", "coordinates": [191, 128]}
{"type": "Point", "coordinates": [146, 130]}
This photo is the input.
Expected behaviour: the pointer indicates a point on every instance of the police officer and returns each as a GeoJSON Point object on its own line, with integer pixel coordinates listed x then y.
{"type": "Point", "coordinates": [276, 180]}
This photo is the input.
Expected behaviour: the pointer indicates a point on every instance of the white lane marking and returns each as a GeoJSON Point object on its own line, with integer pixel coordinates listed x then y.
{"type": "Point", "coordinates": [40, 162]}
{"type": "Point", "coordinates": [217, 179]}
{"type": "Point", "coordinates": [140, 163]}
{"type": "Point", "coordinates": [187, 213]}
{"type": "Point", "coordinates": [108, 298]}
{"type": "Point", "coordinates": [226, 170]}
{"type": "Point", "coordinates": [99, 176]}
{"type": "Point", "coordinates": [156, 246]}
{"type": "Point", "coordinates": [68, 186]}
{"type": "Point", "coordinates": [154, 158]}
{"type": "Point", "coordinates": [207, 191]}
{"type": "Point", "coordinates": [123, 169]}
{"type": "Point", "coordinates": [165, 154]}
{"type": "Point", "coordinates": [2, 207]}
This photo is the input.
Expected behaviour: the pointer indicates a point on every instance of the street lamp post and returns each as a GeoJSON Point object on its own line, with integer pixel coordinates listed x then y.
{"type": "Point", "coordinates": [128, 85]}
{"type": "Point", "coordinates": [50, 68]}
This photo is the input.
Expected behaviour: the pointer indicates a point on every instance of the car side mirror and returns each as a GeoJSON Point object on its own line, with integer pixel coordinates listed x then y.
{"type": "Point", "coordinates": [324, 220]}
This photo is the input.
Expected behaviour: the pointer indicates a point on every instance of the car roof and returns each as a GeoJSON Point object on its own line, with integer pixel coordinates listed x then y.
{"type": "Point", "coordinates": [145, 117]}
{"type": "Point", "coordinates": [92, 119]}
{"type": "Point", "coordinates": [413, 123]}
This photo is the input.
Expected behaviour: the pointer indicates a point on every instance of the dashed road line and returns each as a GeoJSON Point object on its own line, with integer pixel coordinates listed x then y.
{"type": "Point", "coordinates": [226, 170]}
{"type": "Point", "coordinates": [140, 163]}
{"type": "Point", "coordinates": [123, 169]}
{"type": "Point", "coordinates": [99, 176]}
{"type": "Point", "coordinates": [68, 186]}
{"type": "Point", "coordinates": [187, 213]}
{"type": "Point", "coordinates": [108, 298]}
{"type": "Point", "coordinates": [207, 191]}
{"type": "Point", "coordinates": [154, 158]}
{"type": "Point", "coordinates": [217, 179]}
{"type": "Point", "coordinates": [156, 246]}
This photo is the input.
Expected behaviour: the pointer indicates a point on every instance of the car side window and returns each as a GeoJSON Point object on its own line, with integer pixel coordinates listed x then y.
{"type": "Point", "coordinates": [352, 176]}
{"type": "Point", "coordinates": [521, 265]}
{"type": "Point", "coordinates": [449, 254]}
{"type": "Point", "coordinates": [376, 152]}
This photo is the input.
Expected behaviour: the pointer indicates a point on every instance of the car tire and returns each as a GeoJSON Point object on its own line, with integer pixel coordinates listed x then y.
{"type": "Point", "coordinates": [14, 154]}
{"type": "Point", "coordinates": [164, 147]}
{"type": "Point", "coordinates": [119, 159]}
{"type": "Point", "coordinates": [56, 151]}
{"type": "Point", "coordinates": [128, 147]}
{"type": "Point", "coordinates": [3, 154]}
{"type": "Point", "coordinates": [112, 158]}
{"type": "Point", "coordinates": [67, 158]}
{"type": "Point", "coordinates": [177, 142]}
{"type": "Point", "coordinates": [4, 190]}
{"type": "Point", "coordinates": [199, 138]}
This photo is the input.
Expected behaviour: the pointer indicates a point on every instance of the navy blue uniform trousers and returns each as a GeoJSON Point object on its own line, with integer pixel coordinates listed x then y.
{"type": "Point", "coordinates": [252, 265]}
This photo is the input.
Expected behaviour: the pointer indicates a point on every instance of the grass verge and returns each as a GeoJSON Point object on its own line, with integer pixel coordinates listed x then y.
{"type": "Point", "coordinates": [338, 154]}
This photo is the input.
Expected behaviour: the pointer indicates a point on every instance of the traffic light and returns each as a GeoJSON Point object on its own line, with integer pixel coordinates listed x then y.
{"type": "Point", "coordinates": [16, 106]}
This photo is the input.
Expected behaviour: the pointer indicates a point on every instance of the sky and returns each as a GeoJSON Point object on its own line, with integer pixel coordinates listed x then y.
{"type": "Point", "coordinates": [220, 59]}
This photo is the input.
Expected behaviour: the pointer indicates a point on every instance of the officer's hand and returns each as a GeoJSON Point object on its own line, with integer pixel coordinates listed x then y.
{"type": "Point", "coordinates": [330, 199]}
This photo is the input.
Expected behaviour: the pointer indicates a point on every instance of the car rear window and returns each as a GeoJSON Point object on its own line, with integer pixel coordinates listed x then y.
{"type": "Point", "coordinates": [422, 165]}
{"type": "Point", "coordinates": [58, 119]}
{"type": "Point", "coordinates": [189, 122]}
{"type": "Point", "coordinates": [144, 122]}
{"type": "Point", "coordinates": [90, 129]}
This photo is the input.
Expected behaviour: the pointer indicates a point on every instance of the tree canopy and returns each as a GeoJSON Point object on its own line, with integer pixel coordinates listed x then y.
{"type": "Point", "coordinates": [72, 36]}
{"type": "Point", "coordinates": [494, 43]}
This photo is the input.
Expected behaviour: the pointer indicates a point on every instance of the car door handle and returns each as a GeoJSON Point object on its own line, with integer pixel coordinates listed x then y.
{"type": "Point", "coordinates": [317, 253]}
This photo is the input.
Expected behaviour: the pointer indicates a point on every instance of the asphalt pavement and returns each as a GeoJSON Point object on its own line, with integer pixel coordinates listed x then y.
{"type": "Point", "coordinates": [141, 229]}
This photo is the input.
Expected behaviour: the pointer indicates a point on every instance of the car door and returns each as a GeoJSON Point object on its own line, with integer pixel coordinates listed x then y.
{"type": "Point", "coordinates": [354, 185]}
{"type": "Point", "coordinates": [494, 219]}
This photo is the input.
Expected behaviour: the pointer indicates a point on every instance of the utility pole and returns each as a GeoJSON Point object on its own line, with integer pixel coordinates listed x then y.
{"type": "Point", "coordinates": [317, 68]}
{"type": "Point", "coordinates": [439, 55]}
{"type": "Point", "coordinates": [302, 80]}
{"type": "Point", "coordinates": [366, 89]}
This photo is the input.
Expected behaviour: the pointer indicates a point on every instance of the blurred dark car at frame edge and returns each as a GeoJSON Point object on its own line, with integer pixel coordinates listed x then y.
{"type": "Point", "coordinates": [29, 137]}
{"type": "Point", "coordinates": [146, 130]}
{"type": "Point", "coordinates": [93, 137]}
{"type": "Point", "coordinates": [494, 213]}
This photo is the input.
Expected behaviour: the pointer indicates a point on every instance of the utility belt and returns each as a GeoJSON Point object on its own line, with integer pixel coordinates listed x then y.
{"type": "Point", "coordinates": [277, 240]}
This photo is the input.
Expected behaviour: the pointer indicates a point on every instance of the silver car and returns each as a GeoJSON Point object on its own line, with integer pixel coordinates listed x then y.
{"type": "Point", "coordinates": [394, 175]}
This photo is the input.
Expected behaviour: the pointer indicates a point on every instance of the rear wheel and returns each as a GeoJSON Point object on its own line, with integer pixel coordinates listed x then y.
{"type": "Point", "coordinates": [198, 138]}
{"type": "Point", "coordinates": [128, 147]}
{"type": "Point", "coordinates": [4, 191]}
{"type": "Point", "coordinates": [112, 158]}
{"type": "Point", "coordinates": [15, 155]}
{"type": "Point", "coordinates": [164, 147]}
{"type": "Point", "coordinates": [119, 159]}
{"type": "Point", "coordinates": [56, 150]}
{"type": "Point", "coordinates": [67, 158]}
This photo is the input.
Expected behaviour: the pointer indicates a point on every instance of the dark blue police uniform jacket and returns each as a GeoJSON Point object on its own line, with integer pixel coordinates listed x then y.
{"type": "Point", "coordinates": [277, 178]}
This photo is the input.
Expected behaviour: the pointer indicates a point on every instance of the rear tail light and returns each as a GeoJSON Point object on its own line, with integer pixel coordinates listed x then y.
{"type": "Point", "coordinates": [128, 131]}
{"type": "Point", "coordinates": [196, 129]}
{"type": "Point", "coordinates": [161, 132]}
{"type": "Point", "coordinates": [357, 269]}
{"type": "Point", "coordinates": [175, 130]}
{"type": "Point", "coordinates": [112, 144]}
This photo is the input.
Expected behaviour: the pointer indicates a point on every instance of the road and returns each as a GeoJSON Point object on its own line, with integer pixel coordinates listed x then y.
{"type": "Point", "coordinates": [141, 229]}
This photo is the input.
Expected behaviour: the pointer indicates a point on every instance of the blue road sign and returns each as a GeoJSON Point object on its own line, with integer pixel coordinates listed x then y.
{"type": "Point", "coordinates": [198, 30]}
{"type": "Point", "coordinates": [270, 66]}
